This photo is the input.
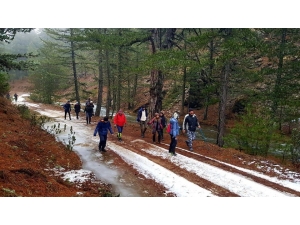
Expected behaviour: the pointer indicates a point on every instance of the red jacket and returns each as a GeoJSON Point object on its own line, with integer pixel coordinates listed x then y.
{"type": "Point", "coordinates": [120, 119]}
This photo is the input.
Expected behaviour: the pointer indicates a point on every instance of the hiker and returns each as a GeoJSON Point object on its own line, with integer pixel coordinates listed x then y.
{"type": "Point", "coordinates": [67, 108]}
{"type": "Point", "coordinates": [120, 122]}
{"type": "Point", "coordinates": [174, 132]}
{"type": "Point", "coordinates": [156, 127]}
{"type": "Point", "coordinates": [16, 97]}
{"type": "Point", "coordinates": [176, 115]}
{"type": "Point", "coordinates": [102, 129]}
{"type": "Point", "coordinates": [77, 108]}
{"type": "Point", "coordinates": [142, 117]}
{"type": "Point", "coordinates": [189, 125]}
{"type": "Point", "coordinates": [87, 101]}
{"type": "Point", "coordinates": [89, 109]}
{"type": "Point", "coordinates": [92, 106]}
{"type": "Point", "coordinates": [8, 96]}
{"type": "Point", "coordinates": [164, 123]}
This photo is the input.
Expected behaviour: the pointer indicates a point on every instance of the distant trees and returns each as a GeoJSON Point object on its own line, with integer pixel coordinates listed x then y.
{"type": "Point", "coordinates": [9, 61]}
{"type": "Point", "coordinates": [197, 67]}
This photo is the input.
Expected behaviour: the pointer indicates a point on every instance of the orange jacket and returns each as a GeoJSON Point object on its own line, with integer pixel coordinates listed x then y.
{"type": "Point", "coordinates": [120, 119]}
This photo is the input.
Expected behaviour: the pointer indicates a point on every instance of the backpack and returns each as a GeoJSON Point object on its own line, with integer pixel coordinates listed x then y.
{"type": "Point", "coordinates": [169, 128]}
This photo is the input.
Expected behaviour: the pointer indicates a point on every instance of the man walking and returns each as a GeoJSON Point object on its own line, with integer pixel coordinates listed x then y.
{"type": "Point", "coordinates": [77, 109]}
{"type": "Point", "coordinates": [67, 108]}
{"type": "Point", "coordinates": [102, 129]}
{"type": "Point", "coordinates": [142, 119]}
{"type": "Point", "coordinates": [190, 124]}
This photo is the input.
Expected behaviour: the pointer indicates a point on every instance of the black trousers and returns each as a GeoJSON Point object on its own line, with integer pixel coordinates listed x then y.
{"type": "Point", "coordinates": [102, 142]}
{"type": "Point", "coordinates": [173, 144]}
{"type": "Point", "coordinates": [67, 112]}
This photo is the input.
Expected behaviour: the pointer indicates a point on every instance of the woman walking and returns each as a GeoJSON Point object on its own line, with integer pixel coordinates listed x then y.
{"type": "Point", "coordinates": [156, 128]}
{"type": "Point", "coordinates": [174, 132]}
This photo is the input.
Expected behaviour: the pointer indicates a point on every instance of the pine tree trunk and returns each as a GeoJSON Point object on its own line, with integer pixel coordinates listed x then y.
{"type": "Point", "coordinates": [108, 97]}
{"type": "Point", "coordinates": [74, 68]}
{"type": "Point", "coordinates": [277, 88]}
{"type": "Point", "coordinates": [100, 85]}
{"type": "Point", "coordinates": [222, 104]}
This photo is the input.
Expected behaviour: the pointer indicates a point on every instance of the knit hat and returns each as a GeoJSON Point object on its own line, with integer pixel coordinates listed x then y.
{"type": "Point", "coordinates": [105, 118]}
{"type": "Point", "coordinates": [190, 109]}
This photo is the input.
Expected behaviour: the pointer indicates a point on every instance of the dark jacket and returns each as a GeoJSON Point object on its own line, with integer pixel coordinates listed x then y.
{"type": "Point", "coordinates": [102, 128]}
{"type": "Point", "coordinates": [67, 107]}
{"type": "Point", "coordinates": [89, 109]}
{"type": "Point", "coordinates": [163, 121]}
{"type": "Point", "coordinates": [77, 108]}
{"type": "Point", "coordinates": [139, 115]}
{"type": "Point", "coordinates": [190, 122]}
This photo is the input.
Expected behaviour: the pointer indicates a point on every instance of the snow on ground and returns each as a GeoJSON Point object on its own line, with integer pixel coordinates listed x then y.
{"type": "Point", "coordinates": [174, 183]}
{"type": "Point", "coordinates": [294, 184]}
{"type": "Point", "coordinates": [235, 183]}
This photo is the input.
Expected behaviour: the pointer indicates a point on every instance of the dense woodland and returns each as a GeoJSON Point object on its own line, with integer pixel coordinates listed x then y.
{"type": "Point", "coordinates": [251, 72]}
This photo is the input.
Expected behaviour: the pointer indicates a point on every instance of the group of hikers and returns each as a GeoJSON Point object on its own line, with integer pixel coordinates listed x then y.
{"type": "Point", "coordinates": [157, 124]}
{"type": "Point", "coordinates": [89, 110]}
{"type": "Point", "coordinates": [15, 96]}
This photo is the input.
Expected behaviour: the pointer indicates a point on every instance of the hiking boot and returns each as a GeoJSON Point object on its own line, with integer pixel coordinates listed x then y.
{"type": "Point", "coordinates": [103, 150]}
{"type": "Point", "coordinates": [174, 154]}
{"type": "Point", "coordinates": [191, 149]}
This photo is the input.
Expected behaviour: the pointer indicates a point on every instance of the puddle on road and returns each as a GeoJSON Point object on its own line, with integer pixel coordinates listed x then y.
{"type": "Point", "coordinates": [86, 147]}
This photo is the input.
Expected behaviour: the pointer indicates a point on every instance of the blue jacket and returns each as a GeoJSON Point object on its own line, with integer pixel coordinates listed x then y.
{"type": "Point", "coordinates": [67, 107]}
{"type": "Point", "coordinates": [174, 127]}
{"type": "Point", "coordinates": [139, 115]}
{"type": "Point", "coordinates": [102, 128]}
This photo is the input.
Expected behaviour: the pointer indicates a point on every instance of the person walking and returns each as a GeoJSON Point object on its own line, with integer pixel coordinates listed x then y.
{"type": "Point", "coordinates": [174, 132]}
{"type": "Point", "coordinates": [67, 108]}
{"type": "Point", "coordinates": [16, 97]}
{"type": "Point", "coordinates": [77, 108]}
{"type": "Point", "coordinates": [120, 122]}
{"type": "Point", "coordinates": [102, 129]}
{"type": "Point", "coordinates": [8, 96]}
{"type": "Point", "coordinates": [176, 115]}
{"type": "Point", "coordinates": [164, 124]}
{"type": "Point", "coordinates": [87, 101]}
{"type": "Point", "coordinates": [142, 117]}
{"type": "Point", "coordinates": [89, 109]}
{"type": "Point", "coordinates": [156, 127]}
{"type": "Point", "coordinates": [189, 125]}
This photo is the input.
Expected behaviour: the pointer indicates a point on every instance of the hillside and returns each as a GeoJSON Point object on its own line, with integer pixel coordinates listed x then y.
{"type": "Point", "coordinates": [29, 156]}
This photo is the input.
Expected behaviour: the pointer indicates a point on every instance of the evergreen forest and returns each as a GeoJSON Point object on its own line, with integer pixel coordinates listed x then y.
{"type": "Point", "coordinates": [251, 72]}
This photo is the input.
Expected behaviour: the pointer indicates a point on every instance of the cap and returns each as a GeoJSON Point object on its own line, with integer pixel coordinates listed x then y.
{"type": "Point", "coordinates": [190, 109]}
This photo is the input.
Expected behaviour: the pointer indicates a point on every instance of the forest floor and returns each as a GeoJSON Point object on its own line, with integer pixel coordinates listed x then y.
{"type": "Point", "coordinates": [29, 156]}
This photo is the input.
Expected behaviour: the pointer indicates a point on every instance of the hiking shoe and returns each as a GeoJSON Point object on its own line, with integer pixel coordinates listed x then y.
{"type": "Point", "coordinates": [103, 150]}
{"type": "Point", "coordinates": [173, 154]}
{"type": "Point", "coordinates": [191, 149]}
